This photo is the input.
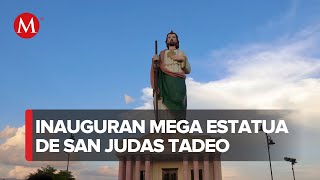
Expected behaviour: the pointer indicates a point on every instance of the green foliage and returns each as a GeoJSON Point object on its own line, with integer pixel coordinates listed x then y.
{"type": "Point", "coordinates": [54, 173]}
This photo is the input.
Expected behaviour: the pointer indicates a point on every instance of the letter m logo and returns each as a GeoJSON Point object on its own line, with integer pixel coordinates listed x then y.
{"type": "Point", "coordinates": [31, 24]}
{"type": "Point", "coordinates": [26, 25]}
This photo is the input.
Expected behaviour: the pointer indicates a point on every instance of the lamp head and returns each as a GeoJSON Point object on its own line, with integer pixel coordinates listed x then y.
{"type": "Point", "coordinates": [292, 160]}
{"type": "Point", "coordinates": [271, 142]}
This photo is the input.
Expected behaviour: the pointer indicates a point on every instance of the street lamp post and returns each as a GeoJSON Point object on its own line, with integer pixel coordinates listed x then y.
{"type": "Point", "coordinates": [269, 142]}
{"type": "Point", "coordinates": [71, 137]}
{"type": "Point", "coordinates": [293, 161]}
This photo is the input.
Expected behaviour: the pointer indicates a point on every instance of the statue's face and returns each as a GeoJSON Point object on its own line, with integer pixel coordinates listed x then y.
{"type": "Point", "coordinates": [172, 40]}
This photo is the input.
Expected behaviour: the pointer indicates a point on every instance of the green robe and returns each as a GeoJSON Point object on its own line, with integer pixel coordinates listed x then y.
{"type": "Point", "coordinates": [172, 91]}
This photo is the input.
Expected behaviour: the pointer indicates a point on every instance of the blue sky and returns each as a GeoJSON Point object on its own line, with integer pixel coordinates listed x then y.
{"type": "Point", "coordinates": [87, 55]}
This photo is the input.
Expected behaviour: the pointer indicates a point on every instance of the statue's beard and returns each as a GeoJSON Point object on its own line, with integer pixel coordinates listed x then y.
{"type": "Point", "coordinates": [172, 43]}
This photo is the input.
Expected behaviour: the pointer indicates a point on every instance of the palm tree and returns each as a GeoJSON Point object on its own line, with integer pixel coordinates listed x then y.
{"type": "Point", "coordinates": [52, 172]}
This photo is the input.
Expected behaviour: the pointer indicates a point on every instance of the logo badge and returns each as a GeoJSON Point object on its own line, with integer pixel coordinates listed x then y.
{"type": "Point", "coordinates": [26, 25]}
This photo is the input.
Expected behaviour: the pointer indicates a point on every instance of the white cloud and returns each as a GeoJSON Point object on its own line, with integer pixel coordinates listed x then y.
{"type": "Point", "coordinates": [14, 165]}
{"type": "Point", "coordinates": [12, 154]}
{"type": "Point", "coordinates": [278, 75]}
{"type": "Point", "coordinates": [128, 99]}
{"type": "Point", "coordinates": [106, 171]}
{"type": "Point", "coordinates": [20, 172]}
{"type": "Point", "coordinates": [12, 149]}
{"type": "Point", "coordinates": [146, 98]}
{"type": "Point", "coordinates": [7, 132]}
{"type": "Point", "coordinates": [98, 171]}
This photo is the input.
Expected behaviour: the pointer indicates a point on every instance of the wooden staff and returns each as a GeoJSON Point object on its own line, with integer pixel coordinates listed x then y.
{"type": "Point", "coordinates": [155, 90]}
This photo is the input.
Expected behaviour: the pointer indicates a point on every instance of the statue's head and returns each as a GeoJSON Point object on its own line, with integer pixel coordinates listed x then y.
{"type": "Point", "coordinates": [172, 40]}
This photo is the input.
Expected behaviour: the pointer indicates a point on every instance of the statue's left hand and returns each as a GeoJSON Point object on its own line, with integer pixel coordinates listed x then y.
{"type": "Point", "coordinates": [178, 58]}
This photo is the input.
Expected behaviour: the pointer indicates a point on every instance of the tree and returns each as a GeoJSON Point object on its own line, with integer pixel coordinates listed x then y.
{"type": "Point", "coordinates": [53, 173]}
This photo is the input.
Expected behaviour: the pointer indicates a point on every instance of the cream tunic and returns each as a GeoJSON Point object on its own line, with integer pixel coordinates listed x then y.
{"type": "Point", "coordinates": [176, 66]}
